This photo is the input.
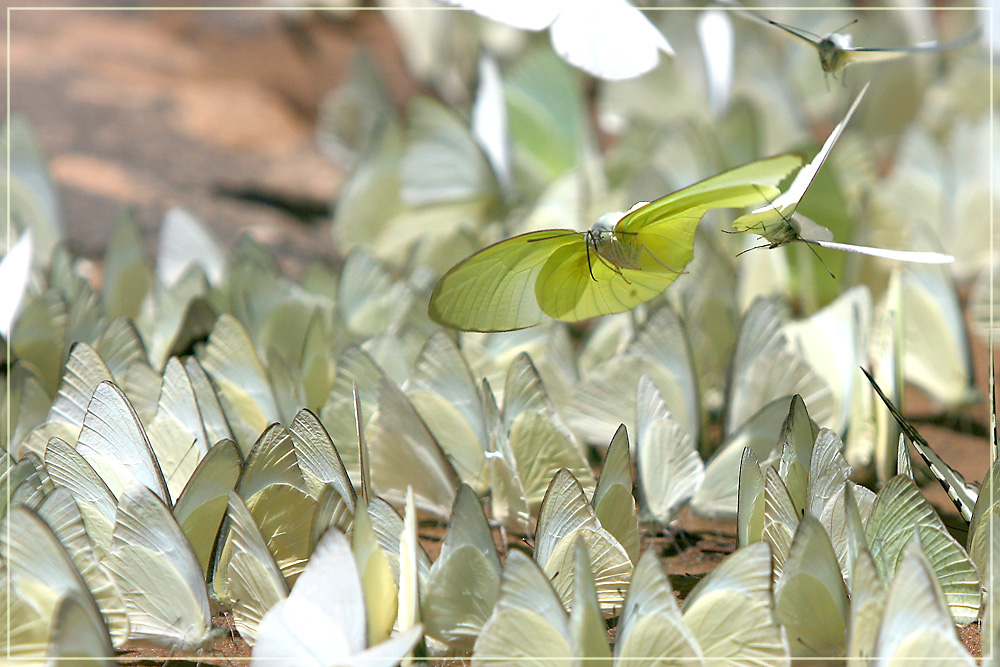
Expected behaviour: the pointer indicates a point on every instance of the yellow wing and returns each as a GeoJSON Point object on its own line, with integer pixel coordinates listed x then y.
{"type": "Point", "coordinates": [745, 185]}
{"type": "Point", "coordinates": [492, 290]}
{"type": "Point", "coordinates": [573, 285]}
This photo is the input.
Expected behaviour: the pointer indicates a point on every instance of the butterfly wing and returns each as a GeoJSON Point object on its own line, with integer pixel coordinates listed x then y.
{"type": "Point", "coordinates": [852, 55]}
{"type": "Point", "coordinates": [771, 221]}
{"type": "Point", "coordinates": [659, 237]}
{"type": "Point", "coordinates": [491, 290]}
{"type": "Point", "coordinates": [575, 285]}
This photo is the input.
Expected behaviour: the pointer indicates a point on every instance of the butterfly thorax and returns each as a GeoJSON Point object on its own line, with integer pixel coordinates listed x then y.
{"type": "Point", "coordinates": [610, 245]}
{"type": "Point", "coordinates": [830, 50]}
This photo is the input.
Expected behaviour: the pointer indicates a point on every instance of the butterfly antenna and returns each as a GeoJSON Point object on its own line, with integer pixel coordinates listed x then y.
{"type": "Point", "coordinates": [810, 245]}
{"type": "Point", "coordinates": [590, 267]}
{"type": "Point", "coordinates": [846, 25]}
{"type": "Point", "coordinates": [756, 247]}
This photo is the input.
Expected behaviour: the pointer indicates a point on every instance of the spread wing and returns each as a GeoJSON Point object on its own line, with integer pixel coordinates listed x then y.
{"type": "Point", "coordinates": [494, 289]}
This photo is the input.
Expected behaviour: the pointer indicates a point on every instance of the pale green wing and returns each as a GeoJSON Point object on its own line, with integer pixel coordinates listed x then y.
{"type": "Point", "coordinates": [564, 516]}
{"type": "Point", "coordinates": [765, 366]}
{"type": "Point", "coordinates": [404, 452]}
{"type": "Point", "coordinates": [255, 583]}
{"type": "Point", "coordinates": [539, 448]}
{"type": "Point", "coordinates": [176, 433]}
{"type": "Point", "coordinates": [729, 611]}
{"type": "Point", "coordinates": [828, 471]}
{"type": "Point", "coordinates": [900, 509]}
{"type": "Point", "coordinates": [63, 516]}
{"type": "Point", "coordinates": [605, 397]}
{"type": "Point", "coordinates": [29, 628]}
{"type": "Point", "coordinates": [742, 186]}
{"type": "Point", "coordinates": [378, 583]}
{"type": "Point", "coordinates": [917, 628]}
{"type": "Point", "coordinates": [563, 510]}
{"type": "Point", "coordinates": [613, 501]}
{"type": "Point", "coordinates": [115, 444]}
{"type": "Point", "coordinates": [781, 518]}
{"type": "Point", "coordinates": [96, 502]}
{"type": "Point", "coordinates": [158, 574]}
{"type": "Point", "coordinates": [408, 609]}
{"type": "Point", "coordinates": [243, 386]}
{"type": "Point", "coordinates": [987, 507]}
{"type": "Point", "coordinates": [990, 570]}
{"type": "Point", "coordinates": [651, 630]}
{"type": "Point", "coordinates": [184, 241]}
{"type": "Point", "coordinates": [464, 582]}
{"type": "Point", "coordinates": [575, 284]}
{"type": "Point", "coordinates": [867, 602]}
{"type": "Point", "coordinates": [278, 498]}
{"type": "Point", "coordinates": [587, 629]}
{"type": "Point", "coordinates": [529, 625]}
{"type": "Point", "coordinates": [443, 392]}
{"type": "Point", "coordinates": [318, 458]}
{"type": "Point", "coordinates": [936, 352]}
{"type": "Point", "coordinates": [78, 638]}
{"type": "Point", "coordinates": [39, 566]}
{"type": "Point", "coordinates": [202, 503]}
{"type": "Point", "coordinates": [494, 290]}
{"type": "Point", "coordinates": [810, 599]}
{"type": "Point", "coordinates": [750, 501]}
{"type": "Point", "coordinates": [84, 371]}
{"type": "Point", "coordinates": [127, 277]}
{"type": "Point", "coordinates": [332, 510]}
{"type": "Point", "coordinates": [667, 461]}
{"type": "Point", "coordinates": [773, 221]}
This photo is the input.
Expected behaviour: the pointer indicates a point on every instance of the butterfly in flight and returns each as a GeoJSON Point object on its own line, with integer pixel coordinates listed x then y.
{"type": "Point", "coordinates": [777, 223]}
{"type": "Point", "coordinates": [620, 262]}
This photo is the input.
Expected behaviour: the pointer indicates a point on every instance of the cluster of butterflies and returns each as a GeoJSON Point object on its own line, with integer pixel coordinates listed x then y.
{"type": "Point", "coordinates": [102, 553]}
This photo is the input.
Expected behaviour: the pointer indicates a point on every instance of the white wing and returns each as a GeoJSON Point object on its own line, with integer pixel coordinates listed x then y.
{"type": "Point", "coordinates": [115, 444]}
{"type": "Point", "coordinates": [15, 271]}
{"type": "Point", "coordinates": [158, 575]}
{"type": "Point", "coordinates": [523, 14]}
{"type": "Point", "coordinates": [185, 241]}
{"type": "Point", "coordinates": [898, 255]}
{"type": "Point", "coordinates": [609, 39]}
{"type": "Point", "coordinates": [786, 202]}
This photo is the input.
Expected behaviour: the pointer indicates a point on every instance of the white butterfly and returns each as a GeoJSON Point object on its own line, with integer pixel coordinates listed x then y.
{"type": "Point", "coordinates": [777, 223]}
{"type": "Point", "coordinates": [159, 575]}
{"type": "Point", "coordinates": [322, 621]}
{"type": "Point", "coordinates": [609, 39]}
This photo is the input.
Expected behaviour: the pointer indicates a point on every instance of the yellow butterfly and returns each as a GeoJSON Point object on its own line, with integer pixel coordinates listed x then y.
{"type": "Point", "coordinates": [620, 262]}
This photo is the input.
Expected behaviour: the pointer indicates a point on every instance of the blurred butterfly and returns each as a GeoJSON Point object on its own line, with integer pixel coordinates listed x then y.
{"type": "Point", "coordinates": [609, 39]}
{"type": "Point", "coordinates": [622, 261]}
{"type": "Point", "coordinates": [776, 223]}
{"type": "Point", "coordinates": [836, 52]}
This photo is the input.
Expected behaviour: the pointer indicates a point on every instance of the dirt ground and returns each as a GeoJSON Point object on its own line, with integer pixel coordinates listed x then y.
{"type": "Point", "coordinates": [216, 111]}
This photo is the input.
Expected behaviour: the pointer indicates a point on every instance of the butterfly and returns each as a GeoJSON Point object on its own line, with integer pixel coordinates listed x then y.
{"type": "Point", "coordinates": [777, 224]}
{"type": "Point", "coordinates": [836, 52]}
{"type": "Point", "coordinates": [609, 39]}
{"type": "Point", "coordinates": [622, 261]}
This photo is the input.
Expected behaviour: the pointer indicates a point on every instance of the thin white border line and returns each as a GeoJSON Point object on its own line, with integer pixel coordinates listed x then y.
{"type": "Point", "coordinates": [120, 659]}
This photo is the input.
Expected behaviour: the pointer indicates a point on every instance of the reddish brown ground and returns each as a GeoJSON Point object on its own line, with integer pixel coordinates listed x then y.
{"type": "Point", "coordinates": [154, 109]}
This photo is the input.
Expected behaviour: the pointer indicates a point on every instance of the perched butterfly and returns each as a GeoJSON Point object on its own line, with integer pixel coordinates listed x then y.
{"type": "Point", "coordinates": [622, 261]}
{"type": "Point", "coordinates": [836, 52]}
{"type": "Point", "coordinates": [775, 222]}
